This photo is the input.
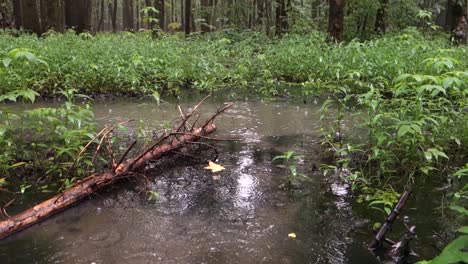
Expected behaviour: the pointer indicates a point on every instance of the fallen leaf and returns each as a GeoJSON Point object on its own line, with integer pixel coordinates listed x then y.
{"type": "Point", "coordinates": [214, 167]}
{"type": "Point", "coordinates": [292, 235]}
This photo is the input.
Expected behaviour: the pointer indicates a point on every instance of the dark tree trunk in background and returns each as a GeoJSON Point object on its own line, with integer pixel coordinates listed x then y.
{"type": "Point", "coordinates": [78, 15]}
{"type": "Point", "coordinates": [30, 16]}
{"type": "Point", "coordinates": [281, 18]}
{"type": "Point", "coordinates": [6, 14]}
{"type": "Point", "coordinates": [260, 12]}
{"type": "Point", "coordinates": [160, 6]}
{"type": "Point", "coordinates": [113, 15]}
{"type": "Point", "coordinates": [17, 13]}
{"type": "Point", "coordinates": [336, 19]}
{"type": "Point", "coordinates": [381, 17]}
{"type": "Point", "coordinates": [188, 17]}
{"type": "Point", "coordinates": [454, 12]}
{"type": "Point", "coordinates": [128, 15]}
{"type": "Point", "coordinates": [101, 16]}
{"type": "Point", "coordinates": [268, 15]}
{"type": "Point", "coordinates": [53, 15]}
{"type": "Point", "coordinates": [182, 16]}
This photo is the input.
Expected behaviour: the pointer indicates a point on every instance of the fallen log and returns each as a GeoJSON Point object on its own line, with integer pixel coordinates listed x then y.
{"type": "Point", "coordinates": [89, 185]}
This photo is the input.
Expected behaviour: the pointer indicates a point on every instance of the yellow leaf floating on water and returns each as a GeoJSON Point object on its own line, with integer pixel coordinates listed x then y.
{"type": "Point", "coordinates": [214, 167]}
{"type": "Point", "coordinates": [292, 235]}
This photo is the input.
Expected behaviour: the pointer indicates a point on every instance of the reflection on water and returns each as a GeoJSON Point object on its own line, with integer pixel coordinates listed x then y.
{"type": "Point", "coordinates": [242, 217]}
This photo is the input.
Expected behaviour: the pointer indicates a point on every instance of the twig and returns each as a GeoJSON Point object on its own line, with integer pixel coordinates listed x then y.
{"type": "Point", "coordinates": [182, 114]}
{"type": "Point", "coordinates": [191, 113]}
{"type": "Point", "coordinates": [218, 113]}
{"type": "Point", "coordinates": [111, 153]}
{"type": "Point", "coordinates": [124, 155]}
{"type": "Point", "coordinates": [161, 139]}
{"type": "Point", "coordinates": [91, 141]}
{"type": "Point", "coordinates": [104, 136]}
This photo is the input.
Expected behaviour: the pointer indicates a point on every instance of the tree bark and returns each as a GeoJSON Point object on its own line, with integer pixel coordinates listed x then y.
{"type": "Point", "coordinates": [101, 16]}
{"type": "Point", "coordinates": [113, 15]}
{"type": "Point", "coordinates": [281, 18]}
{"type": "Point", "coordinates": [30, 16]}
{"type": "Point", "coordinates": [336, 19]}
{"type": "Point", "coordinates": [128, 15]}
{"type": "Point", "coordinates": [381, 17]}
{"type": "Point", "coordinates": [78, 15]}
{"type": "Point", "coordinates": [188, 17]}
{"type": "Point", "coordinates": [160, 6]}
{"type": "Point", "coordinates": [53, 15]}
{"type": "Point", "coordinates": [17, 13]}
{"type": "Point", "coordinates": [91, 184]}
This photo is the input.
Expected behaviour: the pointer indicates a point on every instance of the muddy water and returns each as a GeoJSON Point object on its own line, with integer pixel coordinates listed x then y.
{"type": "Point", "coordinates": [242, 216]}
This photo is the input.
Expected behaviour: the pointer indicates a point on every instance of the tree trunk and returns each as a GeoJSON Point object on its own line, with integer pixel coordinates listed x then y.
{"type": "Point", "coordinates": [53, 15]}
{"type": "Point", "coordinates": [454, 12]}
{"type": "Point", "coordinates": [78, 15]}
{"type": "Point", "coordinates": [260, 12]}
{"type": "Point", "coordinates": [113, 15]}
{"type": "Point", "coordinates": [30, 16]}
{"type": "Point", "coordinates": [6, 14]}
{"type": "Point", "coordinates": [188, 17]}
{"type": "Point", "coordinates": [101, 16]}
{"type": "Point", "coordinates": [381, 17]}
{"type": "Point", "coordinates": [17, 13]}
{"type": "Point", "coordinates": [336, 19]}
{"type": "Point", "coordinates": [281, 18]}
{"type": "Point", "coordinates": [91, 184]}
{"type": "Point", "coordinates": [160, 6]}
{"type": "Point", "coordinates": [128, 15]}
{"type": "Point", "coordinates": [268, 17]}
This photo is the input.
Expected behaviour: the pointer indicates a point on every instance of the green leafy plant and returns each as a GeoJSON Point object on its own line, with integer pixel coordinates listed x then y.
{"type": "Point", "coordinates": [294, 177]}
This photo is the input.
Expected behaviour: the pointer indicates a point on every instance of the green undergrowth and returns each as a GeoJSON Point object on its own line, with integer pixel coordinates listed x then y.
{"type": "Point", "coordinates": [138, 64]}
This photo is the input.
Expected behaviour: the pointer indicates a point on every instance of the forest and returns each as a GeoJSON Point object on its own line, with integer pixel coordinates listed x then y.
{"type": "Point", "coordinates": [236, 131]}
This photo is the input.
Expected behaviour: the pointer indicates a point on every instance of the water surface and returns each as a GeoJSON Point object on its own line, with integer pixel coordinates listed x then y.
{"type": "Point", "coordinates": [242, 216]}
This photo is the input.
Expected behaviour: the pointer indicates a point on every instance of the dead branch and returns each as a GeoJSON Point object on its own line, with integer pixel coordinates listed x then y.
{"type": "Point", "coordinates": [165, 145]}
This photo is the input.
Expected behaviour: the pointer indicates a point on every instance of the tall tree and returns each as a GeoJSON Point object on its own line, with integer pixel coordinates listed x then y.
{"type": "Point", "coordinates": [336, 19]}
{"type": "Point", "coordinates": [53, 17]}
{"type": "Point", "coordinates": [30, 16]}
{"type": "Point", "coordinates": [113, 15]}
{"type": "Point", "coordinates": [381, 17]}
{"type": "Point", "coordinates": [17, 13]}
{"type": "Point", "coordinates": [101, 15]}
{"type": "Point", "coordinates": [128, 15]}
{"type": "Point", "coordinates": [161, 7]}
{"type": "Point", "coordinates": [281, 17]}
{"type": "Point", "coordinates": [188, 17]}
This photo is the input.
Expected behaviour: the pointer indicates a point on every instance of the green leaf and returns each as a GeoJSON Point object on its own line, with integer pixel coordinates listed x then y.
{"type": "Point", "coordinates": [459, 209]}
{"type": "Point", "coordinates": [463, 229]}
{"type": "Point", "coordinates": [403, 130]}
{"type": "Point", "coordinates": [455, 252]}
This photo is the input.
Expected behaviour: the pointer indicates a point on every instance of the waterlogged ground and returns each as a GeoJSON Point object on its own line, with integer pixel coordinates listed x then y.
{"type": "Point", "coordinates": [242, 217]}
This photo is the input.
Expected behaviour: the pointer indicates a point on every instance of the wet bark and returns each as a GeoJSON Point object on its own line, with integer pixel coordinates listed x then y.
{"type": "Point", "coordinates": [336, 19]}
